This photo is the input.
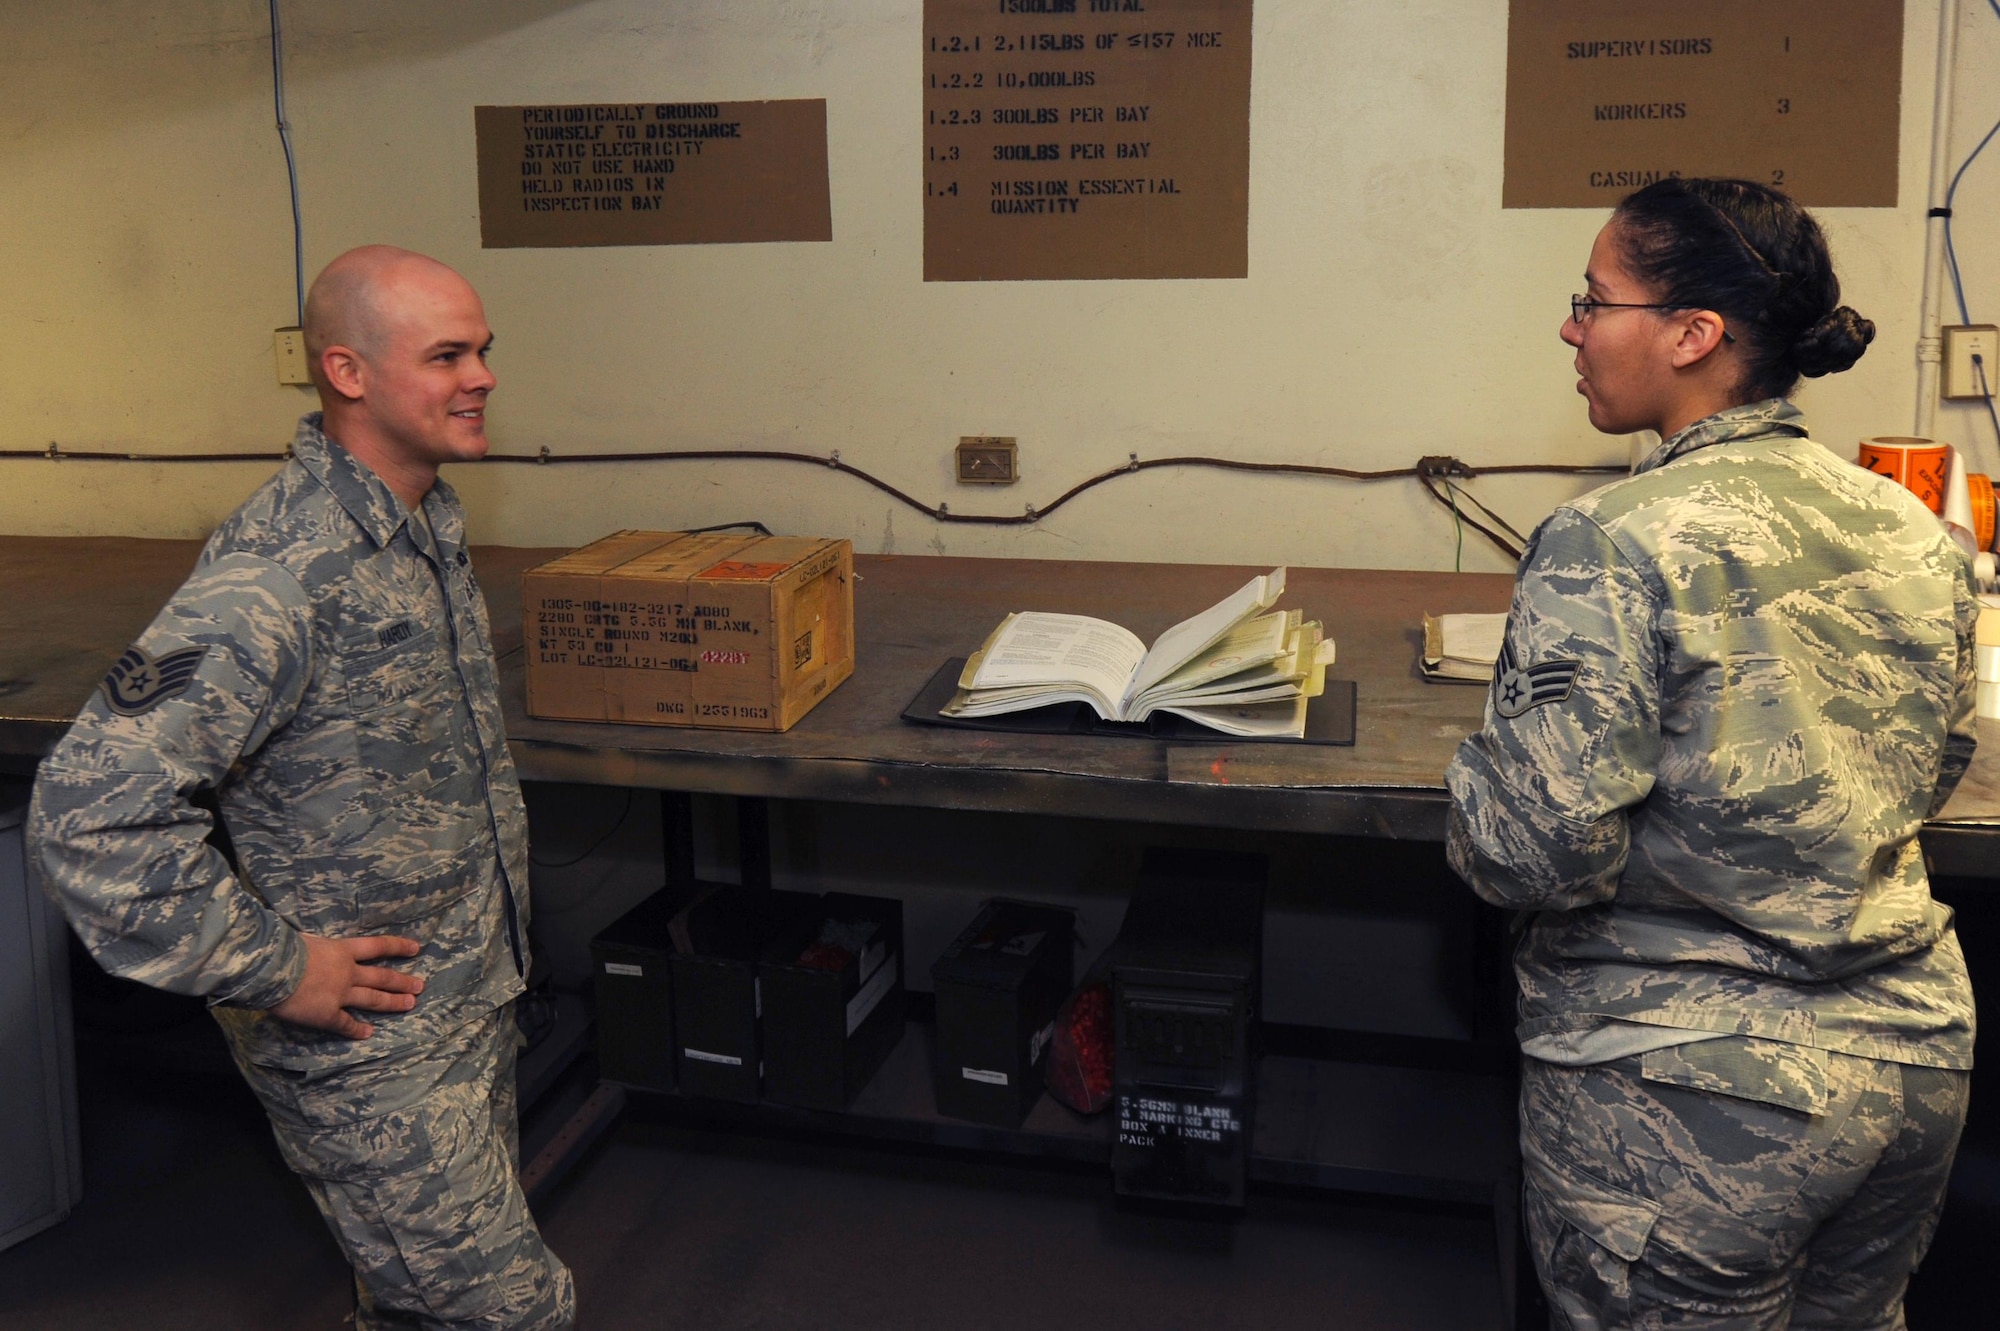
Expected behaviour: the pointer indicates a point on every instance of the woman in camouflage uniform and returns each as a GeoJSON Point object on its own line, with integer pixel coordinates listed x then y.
{"type": "Point", "coordinates": [1733, 687]}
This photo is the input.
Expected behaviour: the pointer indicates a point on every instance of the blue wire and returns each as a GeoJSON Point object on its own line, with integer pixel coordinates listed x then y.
{"type": "Point", "coordinates": [292, 168]}
{"type": "Point", "coordinates": [1951, 251]}
{"type": "Point", "coordinates": [1986, 391]}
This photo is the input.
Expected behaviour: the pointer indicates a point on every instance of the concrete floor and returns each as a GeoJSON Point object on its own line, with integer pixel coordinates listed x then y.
{"type": "Point", "coordinates": [190, 1220]}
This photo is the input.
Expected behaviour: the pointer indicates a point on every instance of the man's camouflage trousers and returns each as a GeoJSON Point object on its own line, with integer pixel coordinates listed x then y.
{"type": "Point", "coordinates": [414, 1161]}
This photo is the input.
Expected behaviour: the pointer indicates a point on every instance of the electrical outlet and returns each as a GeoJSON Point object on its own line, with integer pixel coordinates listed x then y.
{"type": "Point", "coordinates": [290, 344]}
{"type": "Point", "coordinates": [1961, 377]}
{"type": "Point", "coordinates": [987, 459]}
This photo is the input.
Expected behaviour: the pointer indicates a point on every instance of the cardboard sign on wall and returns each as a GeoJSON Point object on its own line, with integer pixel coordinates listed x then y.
{"type": "Point", "coordinates": [652, 173]}
{"type": "Point", "coordinates": [1064, 140]}
{"type": "Point", "coordinates": [1603, 98]}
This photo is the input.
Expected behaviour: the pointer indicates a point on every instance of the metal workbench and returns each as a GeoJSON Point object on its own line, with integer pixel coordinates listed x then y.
{"type": "Point", "coordinates": [73, 604]}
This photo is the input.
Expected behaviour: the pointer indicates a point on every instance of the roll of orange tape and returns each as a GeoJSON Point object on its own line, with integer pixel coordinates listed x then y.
{"type": "Point", "coordinates": [1981, 486]}
{"type": "Point", "coordinates": [1918, 465]}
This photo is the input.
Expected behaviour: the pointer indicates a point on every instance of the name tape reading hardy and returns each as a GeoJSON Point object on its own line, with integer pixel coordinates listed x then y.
{"type": "Point", "coordinates": [1605, 98]}
{"type": "Point", "coordinates": [1086, 139]}
{"type": "Point", "coordinates": [652, 173]}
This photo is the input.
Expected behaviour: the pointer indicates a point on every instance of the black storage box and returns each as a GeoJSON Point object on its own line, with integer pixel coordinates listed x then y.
{"type": "Point", "coordinates": [633, 975]}
{"type": "Point", "coordinates": [722, 939]}
{"type": "Point", "coordinates": [834, 1010]}
{"type": "Point", "coordinates": [998, 987]}
{"type": "Point", "coordinates": [1184, 988]}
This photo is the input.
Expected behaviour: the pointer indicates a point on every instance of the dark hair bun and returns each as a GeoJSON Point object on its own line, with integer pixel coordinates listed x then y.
{"type": "Point", "coordinates": [1832, 344]}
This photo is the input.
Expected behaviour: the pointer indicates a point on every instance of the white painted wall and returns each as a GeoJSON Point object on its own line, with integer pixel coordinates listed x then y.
{"type": "Point", "coordinates": [1976, 228]}
{"type": "Point", "coordinates": [1392, 308]}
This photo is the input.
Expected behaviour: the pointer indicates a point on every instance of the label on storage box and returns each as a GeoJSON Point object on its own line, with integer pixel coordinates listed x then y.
{"type": "Point", "coordinates": [869, 997]}
{"type": "Point", "coordinates": [983, 1074]}
{"type": "Point", "coordinates": [623, 968]}
{"type": "Point", "coordinates": [703, 1056]}
{"type": "Point", "coordinates": [873, 955]}
{"type": "Point", "coordinates": [596, 632]}
{"type": "Point", "coordinates": [1146, 1120]}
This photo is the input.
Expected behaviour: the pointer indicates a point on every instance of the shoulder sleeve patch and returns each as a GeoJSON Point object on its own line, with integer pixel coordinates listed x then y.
{"type": "Point", "coordinates": [1516, 687]}
{"type": "Point", "coordinates": [141, 681]}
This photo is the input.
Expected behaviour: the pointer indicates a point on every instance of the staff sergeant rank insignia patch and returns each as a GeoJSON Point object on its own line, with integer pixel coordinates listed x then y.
{"type": "Point", "coordinates": [140, 681]}
{"type": "Point", "coordinates": [1516, 689]}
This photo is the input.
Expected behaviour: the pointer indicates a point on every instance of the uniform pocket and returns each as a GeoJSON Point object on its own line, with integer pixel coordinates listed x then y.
{"type": "Point", "coordinates": [399, 700]}
{"type": "Point", "coordinates": [1588, 1283]}
{"type": "Point", "coordinates": [1772, 1072]}
{"type": "Point", "coordinates": [407, 1193]}
{"type": "Point", "coordinates": [381, 901]}
{"type": "Point", "coordinates": [1617, 1221]}
{"type": "Point", "coordinates": [405, 805]}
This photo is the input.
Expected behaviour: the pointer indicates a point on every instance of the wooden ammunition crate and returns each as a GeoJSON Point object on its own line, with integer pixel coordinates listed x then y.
{"type": "Point", "coordinates": [684, 629]}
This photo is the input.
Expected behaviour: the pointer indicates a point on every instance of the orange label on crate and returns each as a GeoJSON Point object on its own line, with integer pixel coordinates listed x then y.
{"type": "Point", "coordinates": [736, 570]}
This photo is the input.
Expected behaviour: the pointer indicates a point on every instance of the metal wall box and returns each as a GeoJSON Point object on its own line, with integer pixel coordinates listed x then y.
{"type": "Point", "coordinates": [834, 1011]}
{"type": "Point", "coordinates": [1185, 987]}
{"type": "Point", "coordinates": [998, 987]}
{"type": "Point", "coordinates": [987, 459]}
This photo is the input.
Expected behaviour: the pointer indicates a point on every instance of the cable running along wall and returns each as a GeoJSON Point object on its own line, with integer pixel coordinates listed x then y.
{"type": "Point", "coordinates": [1438, 476]}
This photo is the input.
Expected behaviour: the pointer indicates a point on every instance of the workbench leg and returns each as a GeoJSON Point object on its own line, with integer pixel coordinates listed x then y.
{"type": "Point", "coordinates": [1496, 993]}
{"type": "Point", "coordinates": [753, 836]}
{"type": "Point", "coordinates": [598, 1114]}
{"type": "Point", "coordinates": [677, 839]}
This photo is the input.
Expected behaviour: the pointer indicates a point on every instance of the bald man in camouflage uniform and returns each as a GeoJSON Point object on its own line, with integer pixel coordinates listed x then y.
{"type": "Point", "coordinates": [1732, 689]}
{"type": "Point", "coordinates": [327, 674]}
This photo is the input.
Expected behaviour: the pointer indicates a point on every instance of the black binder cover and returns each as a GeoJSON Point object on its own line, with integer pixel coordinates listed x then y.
{"type": "Point", "coordinates": [1329, 717]}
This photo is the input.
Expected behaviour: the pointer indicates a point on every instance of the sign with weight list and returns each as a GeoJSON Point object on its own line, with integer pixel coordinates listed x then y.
{"type": "Point", "coordinates": [1086, 139]}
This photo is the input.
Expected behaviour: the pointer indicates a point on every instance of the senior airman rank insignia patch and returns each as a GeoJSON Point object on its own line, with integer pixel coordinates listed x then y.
{"type": "Point", "coordinates": [140, 680]}
{"type": "Point", "coordinates": [1516, 688]}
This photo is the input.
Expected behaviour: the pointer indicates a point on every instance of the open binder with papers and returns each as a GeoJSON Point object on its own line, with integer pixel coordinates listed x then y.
{"type": "Point", "coordinates": [1239, 668]}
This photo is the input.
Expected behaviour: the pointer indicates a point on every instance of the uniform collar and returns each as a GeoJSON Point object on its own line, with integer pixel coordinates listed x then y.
{"type": "Point", "coordinates": [1754, 420]}
{"type": "Point", "coordinates": [375, 508]}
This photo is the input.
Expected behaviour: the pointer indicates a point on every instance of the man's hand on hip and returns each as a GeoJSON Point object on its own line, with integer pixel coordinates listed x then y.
{"type": "Point", "coordinates": [336, 979]}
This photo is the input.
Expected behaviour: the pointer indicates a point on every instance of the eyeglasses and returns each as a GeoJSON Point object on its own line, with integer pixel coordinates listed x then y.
{"type": "Point", "coordinates": [1582, 307]}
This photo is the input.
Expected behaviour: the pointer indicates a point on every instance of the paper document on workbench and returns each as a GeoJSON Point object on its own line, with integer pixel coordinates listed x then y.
{"type": "Point", "coordinates": [1462, 648]}
{"type": "Point", "coordinates": [1189, 638]}
{"type": "Point", "coordinates": [1212, 680]}
{"type": "Point", "coordinates": [1207, 668]}
{"type": "Point", "coordinates": [1268, 640]}
{"type": "Point", "coordinates": [1032, 653]}
{"type": "Point", "coordinates": [1265, 720]}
